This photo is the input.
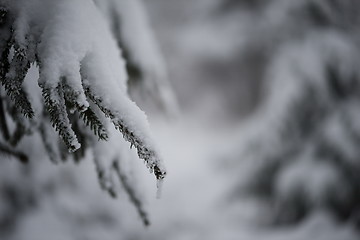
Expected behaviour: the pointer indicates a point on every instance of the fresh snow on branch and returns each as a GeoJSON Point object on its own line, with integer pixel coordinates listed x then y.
{"type": "Point", "coordinates": [62, 64]}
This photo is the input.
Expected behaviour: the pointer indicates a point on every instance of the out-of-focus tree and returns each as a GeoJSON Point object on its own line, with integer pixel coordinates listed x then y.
{"type": "Point", "coordinates": [299, 151]}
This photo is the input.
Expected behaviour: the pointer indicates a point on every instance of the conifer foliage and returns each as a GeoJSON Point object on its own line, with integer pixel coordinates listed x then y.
{"type": "Point", "coordinates": [81, 88]}
{"type": "Point", "coordinates": [301, 146]}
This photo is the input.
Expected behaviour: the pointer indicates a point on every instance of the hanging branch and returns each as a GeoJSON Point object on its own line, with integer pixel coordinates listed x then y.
{"type": "Point", "coordinates": [131, 193]}
{"type": "Point", "coordinates": [13, 77]}
{"type": "Point", "coordinates": [88, 116]}
{"type": "Point", "coordinates": [6, 150]}
{"type": "Point", "coordinates": [55, 104]}
{"type": "Point", "coordinates": [105, 180]}
{"type": "Point", "coordinates": [143, 152]}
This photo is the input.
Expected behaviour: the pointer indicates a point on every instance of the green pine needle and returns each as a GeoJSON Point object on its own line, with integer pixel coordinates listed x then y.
{"type": "Point", "coordinates": [142, 151]}
{"type": "Point", "coordinates": [55, 104]}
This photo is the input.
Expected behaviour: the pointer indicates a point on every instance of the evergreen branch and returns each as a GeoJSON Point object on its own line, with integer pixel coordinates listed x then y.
{"type": "Point", "coordinates": [136, 75]}
{"type": "Point", "coordinates": [48, 139]}
{"type": "Point", "coordinates": [6, 150]}
{"type": "Point", "coordinates": [12, 73]}
{"type": "Point", "coordinates": [64, 150]}
{"type": "Point", "coordinates": [3, 15]}
{"type": "Point", "coordinates": [131, 193]}
{"type": "Point", "coordinates": [86, 114]}
{"type": "Point", "coordinates": [19, 133]}
{"type": "Point", "coordinates": [12, 77]}
{"type": "Point", "coordinates": [105, 179]}
{"type": "Point", "coordinates": [143, 152]}
{"type": "Point", "coordinates": [91, 120]}
{"type": "Point", "coordinates": [55, 105]}
{"type": "Point", "coordinates": [22, 124]}
{"type": "Point", "coordinates": [3, 123]}
{"type": "Point", "coordinates": [72, 97]}
{"type": "Point", "coordinates": [4, 62]}
{"type": "Point", "coordinates": [83, 137]}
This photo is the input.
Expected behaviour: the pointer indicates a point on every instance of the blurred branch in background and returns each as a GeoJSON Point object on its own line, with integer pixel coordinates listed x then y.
{"type": "Point", "coordinates": [301, 145]}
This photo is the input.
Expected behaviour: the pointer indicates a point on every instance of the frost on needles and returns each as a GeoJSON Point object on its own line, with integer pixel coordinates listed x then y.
{"type": "Point", "coordinates": [81, 87]}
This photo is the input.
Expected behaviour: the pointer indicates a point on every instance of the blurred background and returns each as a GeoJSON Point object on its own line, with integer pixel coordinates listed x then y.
{"type": "Point", "coordinates": [265, 145]}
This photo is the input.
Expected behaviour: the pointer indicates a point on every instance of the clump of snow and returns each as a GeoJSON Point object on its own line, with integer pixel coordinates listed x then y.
{"type": "Point", "coordinates": [131, 28]}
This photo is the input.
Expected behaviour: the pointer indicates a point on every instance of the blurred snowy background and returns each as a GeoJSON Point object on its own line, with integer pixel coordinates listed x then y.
{"type": "Point", "coordinates": [265, 145]}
